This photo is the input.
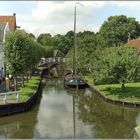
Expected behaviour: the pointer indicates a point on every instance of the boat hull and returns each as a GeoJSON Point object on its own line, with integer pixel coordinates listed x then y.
{"type": "Point", "coordinates": [75, 82]}
{"type": "Point", "coordinates": [79, 86]}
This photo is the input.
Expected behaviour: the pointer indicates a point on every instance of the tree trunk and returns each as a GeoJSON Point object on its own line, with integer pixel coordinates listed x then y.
{"type": "Point", "coordinates": [22, 80]}
{"type": "Point", "coordinates": [30, 74]}
{"type": "Point", "coordinates": [15, 82]}
{"type": "Point", "coordinates": [123, 86]}
{"type": "Point", "coordinates": [27, 77]}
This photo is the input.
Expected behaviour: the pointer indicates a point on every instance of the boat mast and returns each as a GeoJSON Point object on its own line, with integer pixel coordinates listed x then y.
{"type": "Point", "coordinates": [74, 47]}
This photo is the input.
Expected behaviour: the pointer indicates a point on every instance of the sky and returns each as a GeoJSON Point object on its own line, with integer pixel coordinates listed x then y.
{"type": "Point", "coordinates": [57, 17]}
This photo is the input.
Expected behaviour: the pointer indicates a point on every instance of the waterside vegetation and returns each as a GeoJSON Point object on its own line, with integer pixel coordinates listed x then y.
{"type": "Point", "coordinates": [103, 56]}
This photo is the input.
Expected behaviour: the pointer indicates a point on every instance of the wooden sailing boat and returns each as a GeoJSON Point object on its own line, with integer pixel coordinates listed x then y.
{"type": "Point", "coordinates": [74, 80]}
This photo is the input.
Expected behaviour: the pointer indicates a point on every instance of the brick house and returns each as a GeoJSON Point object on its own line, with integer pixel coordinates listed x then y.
{"type": "Point", "coordinates": [11, 21]}
{"type": "Point", "coordinates": [134, 43]}
{"type": "Point", "coordinates": [7, 23]}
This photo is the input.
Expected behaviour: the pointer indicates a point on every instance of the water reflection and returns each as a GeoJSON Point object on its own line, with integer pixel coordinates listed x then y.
{"type": "Point", "coordinates": [66, 113]}
{"type": "Point", "coordinates": [107, 120]}
{"type": "Point", "coordinates": [56, 115]}
{"type": "Point", "coordinates": [7, 130]}
{"type": "Point", "coordinates": [18, 126]}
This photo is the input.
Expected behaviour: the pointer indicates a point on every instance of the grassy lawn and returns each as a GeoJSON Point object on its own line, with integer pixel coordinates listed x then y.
{"type": "Point", "coordinates": [89, 79]}
{"type": "Point", "coordinates": [29, 89]}
{"type": "Point", "coordinates": [114, 91]}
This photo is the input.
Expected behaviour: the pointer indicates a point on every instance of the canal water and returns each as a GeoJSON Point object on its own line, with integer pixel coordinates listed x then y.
{"type": "Point", "coordinates": [66, 113]}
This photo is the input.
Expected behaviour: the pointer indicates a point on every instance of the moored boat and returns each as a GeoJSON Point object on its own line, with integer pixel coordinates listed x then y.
{"type": "Point", "coordinates": [75, 81]}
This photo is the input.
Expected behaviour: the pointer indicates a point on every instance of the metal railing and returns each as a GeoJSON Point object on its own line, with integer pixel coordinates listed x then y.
{"type": "Point", "coordinates": [5, 94]}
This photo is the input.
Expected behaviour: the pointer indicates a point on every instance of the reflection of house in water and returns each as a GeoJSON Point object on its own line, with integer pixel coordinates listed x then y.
{"type": "Point", "coordinates": [7, 23]}
{"type": "Point", "coordinates": [8, 129]}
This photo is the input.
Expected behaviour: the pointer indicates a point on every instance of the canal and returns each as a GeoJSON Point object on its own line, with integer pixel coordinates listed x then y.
{"type": "Point", "coordinates": [66, 113]}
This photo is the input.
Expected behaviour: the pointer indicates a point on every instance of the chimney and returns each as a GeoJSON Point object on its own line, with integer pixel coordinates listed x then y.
{"type": "Point", "coordinates": [15, 25]}
{"type": "Point", "coordinates": [14, 14]}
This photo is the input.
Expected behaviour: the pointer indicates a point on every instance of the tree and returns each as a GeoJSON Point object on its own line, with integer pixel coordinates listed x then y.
{"type": "Point", "coordinates": [14, 49]}
{"type": "Point", "coordinates": [86, 42]}
{"type": "Point", "coordinates": [21, 52]}
{"type": "Point", "coordinates": [61, 43]}
{"type": "Point", "coordinates": [116, 29]}
{"type": "Point", "coordinates": [45, 39]}
{"type": "Point", "coordinates": [116, 65]}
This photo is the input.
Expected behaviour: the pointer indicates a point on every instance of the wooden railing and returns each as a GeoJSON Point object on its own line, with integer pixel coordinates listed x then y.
{"type": "Point", "coordinates": [53, 60]}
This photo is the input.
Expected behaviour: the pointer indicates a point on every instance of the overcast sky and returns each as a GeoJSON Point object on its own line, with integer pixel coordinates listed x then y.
{"type": "Point", "coordinates": [56, 17]}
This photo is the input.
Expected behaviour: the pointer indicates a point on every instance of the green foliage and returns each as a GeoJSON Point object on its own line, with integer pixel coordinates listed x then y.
{"type": "Point", "coordinates": [116, 29]}
{"type": "Point", "coordinates": [116, 65]}
{"type": "Point", "coordinates": [15, 52]}
{"type": "Point", "coordinates": [86, 42]}
{"type": "Point", "coordinates": [49, 51]}
{"type": "Point", "coordinates": [114, 91]}
{"type": "Point", "coordinates": [21, 52]}
{"type": "Point", "coordinates": [60, 42]}
{"type": "Point", "coordinates": [29, 89]}
{"type": "Point", "coordinates": [45, 39]}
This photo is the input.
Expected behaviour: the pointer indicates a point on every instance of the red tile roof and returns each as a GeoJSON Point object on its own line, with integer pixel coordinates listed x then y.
{"type": "Point", "coordinates": [11, 21]}
{"type": "Point", "coordinates": [134, 43]}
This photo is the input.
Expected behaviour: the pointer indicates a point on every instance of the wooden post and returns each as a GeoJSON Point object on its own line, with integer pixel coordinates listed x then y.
{"type": "Point", "coordinates": [77, 87]}
{"type": "Point", "coordinates": [5, 97]}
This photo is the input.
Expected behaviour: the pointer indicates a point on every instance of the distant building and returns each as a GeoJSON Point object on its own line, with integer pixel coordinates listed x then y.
{"type": "Point", "coordinates": [7, 23]}
{"type": "Point", "coordinates": [4, 28]}
{"type": "Point", "coordinates": [11, 21]}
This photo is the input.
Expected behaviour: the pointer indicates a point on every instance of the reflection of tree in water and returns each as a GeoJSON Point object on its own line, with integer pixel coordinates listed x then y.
{"type": "Point", "coordinates": [108, 121]}
{"type": "Point", "coordinates": [55, 83]}
{"type": "Point", "coordinates": [19, 126]}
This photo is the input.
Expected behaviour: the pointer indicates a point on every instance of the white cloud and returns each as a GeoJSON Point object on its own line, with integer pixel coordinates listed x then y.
{"type": "Point", "coordinates": [57, 17]}
{"type": "Point", "coordinates": [128, 4]}
{"type": "Point", "coordinates": [55, 12]}
{"type": "Point", "coordinates": [55, 117]}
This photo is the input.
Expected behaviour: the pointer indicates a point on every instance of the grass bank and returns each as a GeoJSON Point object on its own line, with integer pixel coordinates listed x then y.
{"type": "Point", "coordinates": [114, 91]}
{"type": "Point", "coordinates": [29, 89]}
{"type": "Point", "coordinates": [89, 79]}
